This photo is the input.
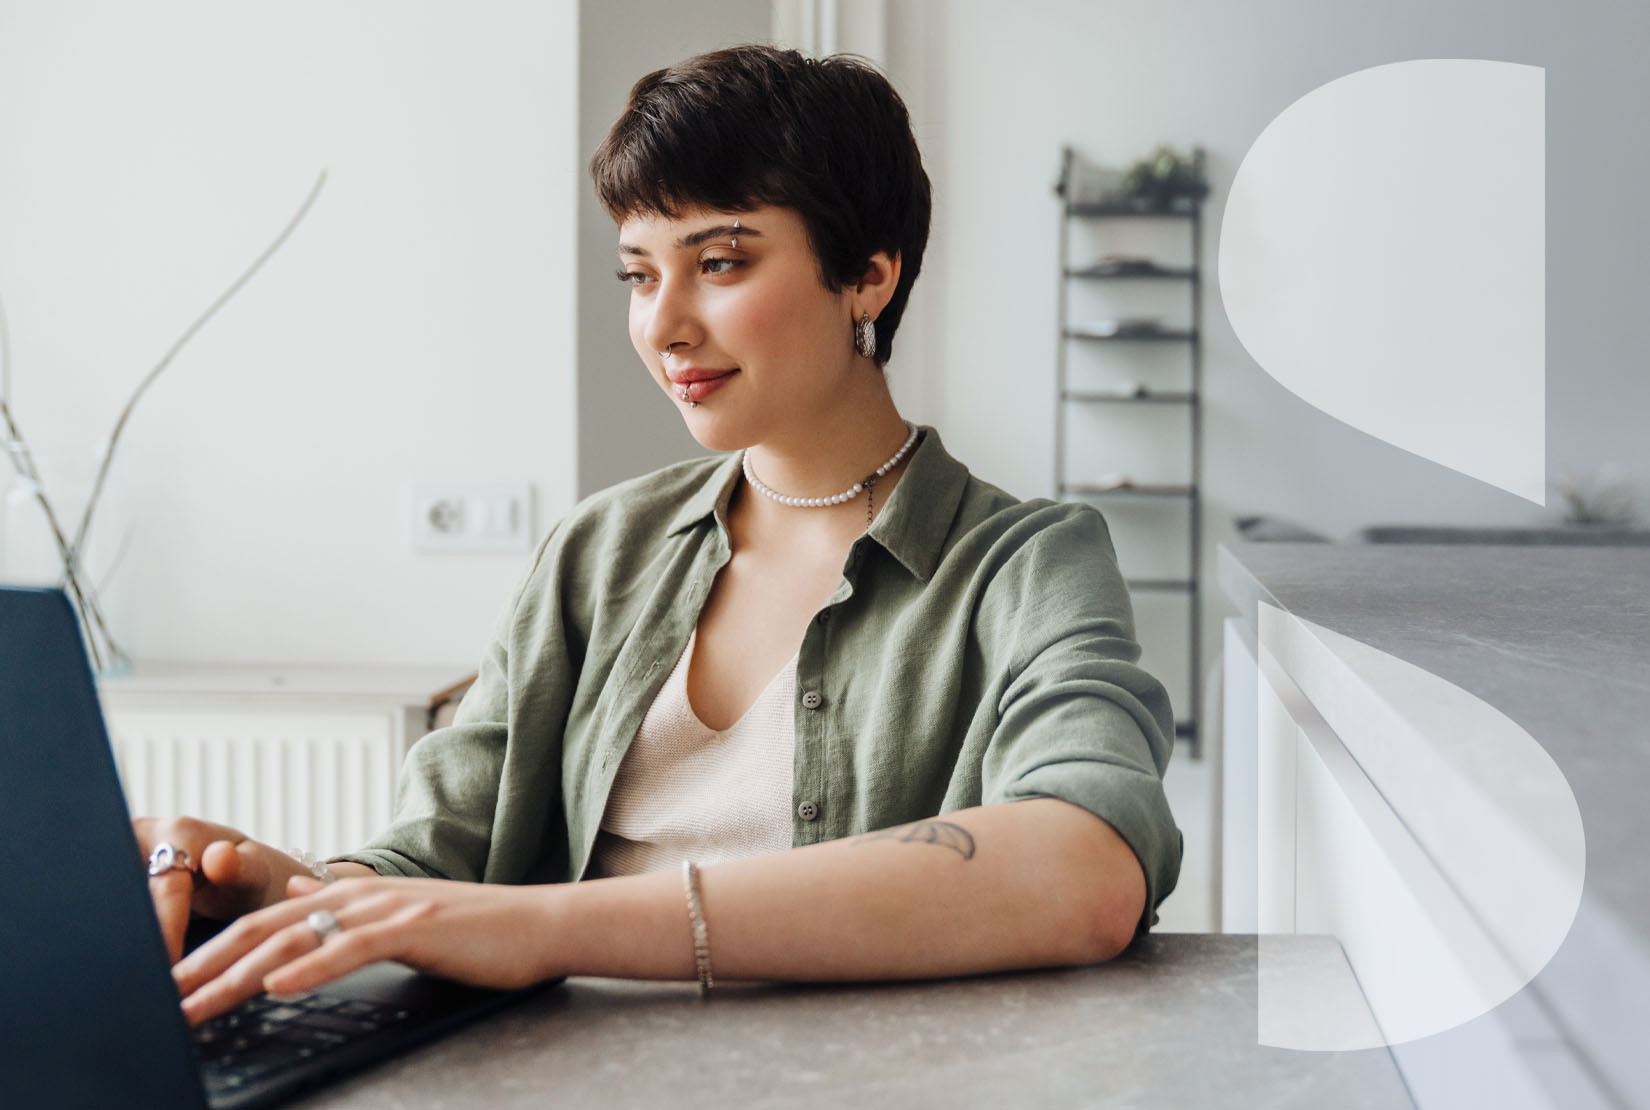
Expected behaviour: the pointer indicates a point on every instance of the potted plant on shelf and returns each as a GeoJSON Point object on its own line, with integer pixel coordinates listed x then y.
{"type": "Point", "coordinates": [1166, 181]}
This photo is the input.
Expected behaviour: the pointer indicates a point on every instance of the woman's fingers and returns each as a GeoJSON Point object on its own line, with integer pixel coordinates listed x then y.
{"type": "Point", "coordinates": [232, 966]}
{"type": "Point", "coordinates": [172, 894]}
{"type": "Point", "coordinates": [245, 978]}
{"type": "Point", "coordinates": [234, 943]}
{"type": "Point", "coordinates": [354, 948]}
{"type": "Point", "coordinates": [489, 936]}
{"type": "Point", "coordinates": [174, 891]}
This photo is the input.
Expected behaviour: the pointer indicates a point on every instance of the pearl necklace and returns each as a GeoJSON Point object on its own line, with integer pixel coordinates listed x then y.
{"type": "Point", "coordinates": [837, 499]}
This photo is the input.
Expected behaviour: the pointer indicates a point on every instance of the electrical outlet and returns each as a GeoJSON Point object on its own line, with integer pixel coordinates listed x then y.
{"type": "Point", "coordinates": [471, 516]}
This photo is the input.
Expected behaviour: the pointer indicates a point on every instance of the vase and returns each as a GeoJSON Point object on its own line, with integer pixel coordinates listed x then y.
{"type": "Point", "coordinates": [30, 554]}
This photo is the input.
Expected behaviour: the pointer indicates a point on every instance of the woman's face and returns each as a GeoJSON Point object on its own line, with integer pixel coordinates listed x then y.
{"type": "Point", "coordinates": [756, 341]}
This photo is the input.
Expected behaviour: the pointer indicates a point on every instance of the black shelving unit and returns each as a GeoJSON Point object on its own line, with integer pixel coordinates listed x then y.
{"type": "Point", "coordinates": [1065, 397]}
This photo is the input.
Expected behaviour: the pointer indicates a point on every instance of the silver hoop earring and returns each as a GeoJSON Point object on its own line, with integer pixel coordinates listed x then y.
{"type": "Point", "coordinates": [865, 336]}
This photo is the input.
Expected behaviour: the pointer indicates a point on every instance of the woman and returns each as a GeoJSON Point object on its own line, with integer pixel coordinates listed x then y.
{"type": "Point", "coordinates": [786, 663]}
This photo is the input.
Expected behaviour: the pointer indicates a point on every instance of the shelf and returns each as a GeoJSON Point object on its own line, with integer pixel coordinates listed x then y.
{"type": "Point", "coordinates": [1172, 584]}
{"type": "Point", "coordinates": [1105, 253]}
{"type": "Point", "coordinates": [1132, 336]}
{"type": "Point", "coordinates": [1125, 211]}
{"type": "Point", "coordinates": [1113, 274]}
{"type": "Point", "coordinates": [1127, 489]}
{"type": "Point", "coordinates": [1166, 397]}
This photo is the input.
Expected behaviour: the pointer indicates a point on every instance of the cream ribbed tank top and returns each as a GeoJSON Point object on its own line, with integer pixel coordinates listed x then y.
{"type": "Point", "coordinates": [685, 791]}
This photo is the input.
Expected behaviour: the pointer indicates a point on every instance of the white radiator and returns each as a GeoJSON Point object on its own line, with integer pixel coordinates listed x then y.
{"type": "Point", "coordinates": [317, 782]}
{"type": "Point", "coordinates": [324, 782]}
{"type": "Point", "coordinates": [296, 756]}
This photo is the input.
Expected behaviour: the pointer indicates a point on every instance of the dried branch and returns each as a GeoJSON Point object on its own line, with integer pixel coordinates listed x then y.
{"type": "Point", "coordinates": [149, 379]}
{"type": "Point", "coordinates": [22, 459]}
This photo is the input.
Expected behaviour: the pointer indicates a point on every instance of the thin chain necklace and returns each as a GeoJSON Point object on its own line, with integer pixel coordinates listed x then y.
{"type": "Point", "coordinates": [864, 485]}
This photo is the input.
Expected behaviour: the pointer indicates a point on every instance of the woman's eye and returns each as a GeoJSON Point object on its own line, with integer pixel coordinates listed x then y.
{"type": "Point", "coordinates": [631, 277]}
{"type": "Point", "coordinates": [720, 265]}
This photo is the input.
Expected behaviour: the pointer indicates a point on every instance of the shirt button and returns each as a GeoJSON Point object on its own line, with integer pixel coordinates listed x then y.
{"type": "Point", "coordinates": [807, 811]}
{"type": "Point", "coordinates": [812, 700]}
{"type": "Point", "coordinates": [824, 615]}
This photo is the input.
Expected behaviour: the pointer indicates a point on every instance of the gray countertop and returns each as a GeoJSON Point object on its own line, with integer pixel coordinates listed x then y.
{"type": "Point", "coordinates": [1170, 1023]}
{"type": "Point", "coordinates": [1557, 639]}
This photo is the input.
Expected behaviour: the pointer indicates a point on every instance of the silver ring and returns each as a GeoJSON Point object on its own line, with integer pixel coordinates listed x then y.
{"type": "Point", "coordinates": [166, 858]}
{"type": "Point", "coordinates": [325, 925]}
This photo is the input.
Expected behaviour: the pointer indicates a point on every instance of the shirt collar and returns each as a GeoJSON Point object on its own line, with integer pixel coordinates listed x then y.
{"type": "Point", "coordinates": [916, 522]}
{"type": "Point", "coordinates": [913, 525]}
{"type": "Point", "coordinates": [712, 497]}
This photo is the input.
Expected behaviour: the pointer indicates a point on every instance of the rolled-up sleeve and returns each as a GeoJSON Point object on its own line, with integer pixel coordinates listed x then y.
{"type": "Point", "coordinates": [1077, 718]}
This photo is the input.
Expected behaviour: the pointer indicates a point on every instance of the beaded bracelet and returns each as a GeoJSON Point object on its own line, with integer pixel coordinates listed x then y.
{"type": "Point", "coordinates": [316, 865]}
{"type": "Point", "coordinates": [696, 917]}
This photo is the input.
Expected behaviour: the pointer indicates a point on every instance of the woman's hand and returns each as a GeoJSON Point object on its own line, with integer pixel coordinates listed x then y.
{"type": "Point", "coordinates": [228, 875]}
{"type": "Point", "coordinates": [486, 935]}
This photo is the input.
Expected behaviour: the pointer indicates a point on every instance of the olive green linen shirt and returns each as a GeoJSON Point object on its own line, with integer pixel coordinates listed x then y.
{"type": "Point", "coordinates": [978, 650]}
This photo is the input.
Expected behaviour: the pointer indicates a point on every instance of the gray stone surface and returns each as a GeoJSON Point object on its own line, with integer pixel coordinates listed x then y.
{"type": "Point", "coordinates": [1170, 1023]}
{"type": "Point", "coordinates": [1558, 639]}
{"type": "Point", "coordinates": [1593, 535]}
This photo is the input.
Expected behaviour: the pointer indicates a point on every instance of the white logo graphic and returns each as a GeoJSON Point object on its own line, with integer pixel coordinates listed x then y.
{"type": "Point", "coordinates": [1383, 256]}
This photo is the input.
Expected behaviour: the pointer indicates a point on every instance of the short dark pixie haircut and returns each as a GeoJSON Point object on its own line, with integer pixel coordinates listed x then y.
{"type": "Point", "coordinates": [750, 126]}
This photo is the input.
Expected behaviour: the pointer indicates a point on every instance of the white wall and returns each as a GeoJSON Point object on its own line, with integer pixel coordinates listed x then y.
{"type": "Point", "coordinates": [626, 427]}
{"type": "Point", "coordinates": [419, 324]}
{"type": "Point", "coordinates": [1118, 77]}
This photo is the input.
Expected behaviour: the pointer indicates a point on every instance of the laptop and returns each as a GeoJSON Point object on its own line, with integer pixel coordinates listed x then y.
{"type": "Point", "coordinates": [89, 1015]}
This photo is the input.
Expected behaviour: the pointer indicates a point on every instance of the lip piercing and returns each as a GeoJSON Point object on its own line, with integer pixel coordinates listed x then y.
{"type": "Point", "coordinates": [684, 396]}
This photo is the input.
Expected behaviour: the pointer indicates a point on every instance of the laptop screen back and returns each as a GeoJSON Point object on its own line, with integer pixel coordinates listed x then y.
{"type": "Point", "coordinates": [88, 1012]}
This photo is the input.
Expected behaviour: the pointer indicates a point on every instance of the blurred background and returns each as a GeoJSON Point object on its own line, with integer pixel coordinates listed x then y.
{"type": "Point", "coordinates": [443, 327]}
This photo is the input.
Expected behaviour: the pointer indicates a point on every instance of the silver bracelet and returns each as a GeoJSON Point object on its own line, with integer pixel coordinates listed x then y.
{"type": "Point", "coordinates": [316, 865]}
{"type": "Point", "coordinates": [696, 917]}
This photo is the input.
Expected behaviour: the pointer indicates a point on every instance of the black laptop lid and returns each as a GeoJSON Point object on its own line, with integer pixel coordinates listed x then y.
{"type": "Point", "coordinates": [88, 1013]}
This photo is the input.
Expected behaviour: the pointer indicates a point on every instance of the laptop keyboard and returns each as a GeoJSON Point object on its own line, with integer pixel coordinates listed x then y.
{"type": "Point", "coordinates": [264, 1035]}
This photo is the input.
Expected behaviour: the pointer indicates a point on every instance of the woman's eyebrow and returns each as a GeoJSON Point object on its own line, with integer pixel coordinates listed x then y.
{"type": "Point", "coordinates": [695, 238]}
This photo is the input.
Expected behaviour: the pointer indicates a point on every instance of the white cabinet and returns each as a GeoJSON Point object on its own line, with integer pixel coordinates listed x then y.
{"type": "Point", "coordinates": [1348, 820]}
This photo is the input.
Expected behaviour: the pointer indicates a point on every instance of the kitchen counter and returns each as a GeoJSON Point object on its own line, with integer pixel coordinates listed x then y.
{"type": "Point", "coordinates": [1558, 640]}
{"type": "Point", "coordinates": [1170, 1023]}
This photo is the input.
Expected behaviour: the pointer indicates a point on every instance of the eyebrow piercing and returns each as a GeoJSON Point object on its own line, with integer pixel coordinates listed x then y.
{"type": "Point", "coordinates": [735, 240]}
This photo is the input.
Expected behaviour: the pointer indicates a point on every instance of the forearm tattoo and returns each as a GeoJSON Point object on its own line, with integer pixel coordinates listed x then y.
{"type": "Point", "coordinates": [931, 831]}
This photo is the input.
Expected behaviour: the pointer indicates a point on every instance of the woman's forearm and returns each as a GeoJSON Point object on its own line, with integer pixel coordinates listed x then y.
{"type": "Point", "coordinates": [1039, 883]}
